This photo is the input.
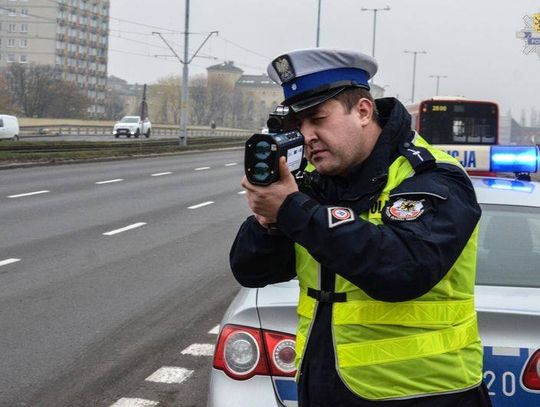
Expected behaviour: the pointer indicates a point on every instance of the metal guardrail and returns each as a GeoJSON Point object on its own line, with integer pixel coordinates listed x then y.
{"type": "Point", "coordinates": [135, 145]}
{"type": "Point", "coordinates": [157, 131]}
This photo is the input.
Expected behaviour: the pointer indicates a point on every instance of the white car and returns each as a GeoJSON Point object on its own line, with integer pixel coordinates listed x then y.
{"type": "Point", "coordinates": [9, 127]}
{"type": "Point", "coordinates": [132, 126]}
{"type": "Point", "coordinates": [254, 357]}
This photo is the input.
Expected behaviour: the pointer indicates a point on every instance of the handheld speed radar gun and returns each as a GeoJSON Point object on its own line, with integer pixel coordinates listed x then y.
{"type": "Point", "coordinates": [262, 152]}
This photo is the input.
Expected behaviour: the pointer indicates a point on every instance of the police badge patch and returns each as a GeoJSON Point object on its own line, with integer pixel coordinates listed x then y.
{"type": "Point", "coordinates": [339, 216]}
{"type": "Point", "coordinates": [284, 68]}
{"type": "Point", "coordinates": [405, 209]}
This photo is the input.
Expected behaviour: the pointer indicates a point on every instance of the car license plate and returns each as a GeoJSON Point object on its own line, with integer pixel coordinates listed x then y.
{"type": "Point", "coordinates": [503, 369]}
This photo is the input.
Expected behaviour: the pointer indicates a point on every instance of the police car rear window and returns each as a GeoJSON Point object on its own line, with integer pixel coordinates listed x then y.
{"type": "Point", "coordinates": [509, 246]}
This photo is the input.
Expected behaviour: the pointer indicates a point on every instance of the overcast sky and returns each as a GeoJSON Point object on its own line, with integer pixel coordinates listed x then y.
{"type": "Point", "coordinates": [472, 42]}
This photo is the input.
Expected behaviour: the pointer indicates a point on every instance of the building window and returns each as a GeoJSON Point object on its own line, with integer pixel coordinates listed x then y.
{"type": "Point", "coordinates": [10, 58]}
{"type": "Point", "coordinates": [23, 43]}
{"type": "Point", "coordinates": [12, 28]}
{"type": "Point", "coordinates": [24, 28]}
{"type": "Point", "coordinates": [11, 42]}
{"type": "Point", "coordinates": [24, 12]}
{"type": "Point", "coordinates": [12, 12]}
{"type": "Point", "coordinates": [23, 59]}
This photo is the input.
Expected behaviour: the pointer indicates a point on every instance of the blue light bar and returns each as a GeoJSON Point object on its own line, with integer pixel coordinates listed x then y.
{"type": "Point", "coordinates": [514, 159]}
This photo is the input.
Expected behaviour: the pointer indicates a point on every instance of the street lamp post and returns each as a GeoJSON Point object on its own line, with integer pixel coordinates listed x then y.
{"type": "Point", "coordinates": [374, 24]}
{"type": "Point", "coordinates": [415, 53]}
{"type": "Point", "coordinates": [185, 82]}
{"type": "Point", "coordinates": [318, 23]}
{"type": "Point", "coordinates": [438, 77]}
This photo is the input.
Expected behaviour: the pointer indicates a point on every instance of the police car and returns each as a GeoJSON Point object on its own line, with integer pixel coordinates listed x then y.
{"type": "Point", "coordinates": [254, 357]}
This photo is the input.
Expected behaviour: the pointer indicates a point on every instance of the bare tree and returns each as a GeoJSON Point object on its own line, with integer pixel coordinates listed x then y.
{"type": "Point", "coordinates": [164, 99]}
{"type": "Point", "coordinates": [6, 105]}
{"type": "Point", "coordinates": [67, 101]}
{"type": "Point", "coordinates": [198, 95]}
{"type": "Point", "coordinates": [38, 91]}
{"type": "Point", "coordinates": [114, 105]}
{"type": "Point", "coordinates": [220, 102]}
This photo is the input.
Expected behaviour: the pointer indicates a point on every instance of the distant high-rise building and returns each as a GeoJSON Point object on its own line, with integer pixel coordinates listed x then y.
{"type": "Point", "coordinates": [71, 35]}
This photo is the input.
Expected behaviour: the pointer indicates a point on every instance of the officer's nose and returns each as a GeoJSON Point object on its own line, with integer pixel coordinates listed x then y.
{"type": "Point", "coordinates": [307, 131]}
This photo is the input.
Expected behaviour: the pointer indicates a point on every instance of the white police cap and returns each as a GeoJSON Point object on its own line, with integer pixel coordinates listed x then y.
{"type": "Point", "coordinates": [313, 75]}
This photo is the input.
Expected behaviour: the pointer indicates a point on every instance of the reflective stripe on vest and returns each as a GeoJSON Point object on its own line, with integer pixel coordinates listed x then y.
{"type": "Point", "coordinates": [408, 347]}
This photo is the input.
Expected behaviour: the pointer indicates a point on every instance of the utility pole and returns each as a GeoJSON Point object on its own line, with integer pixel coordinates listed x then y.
{"type": "Point", "coordinates": [318, 23]}
{"type": "Point", "coordinates": [185, 73]}
{"type": "Point", "coordinates": [415, 53]}
{"type": "Point", "coordinates": [144, 105]}
{"type": "Point", "coordinates": [387, 8]}
{"type": "Point", "coordinates": [185, 82]}
{"type": "Point", "coordinates": [438, 77]}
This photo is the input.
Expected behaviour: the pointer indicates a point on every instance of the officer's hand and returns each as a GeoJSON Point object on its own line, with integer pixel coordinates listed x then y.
{"type": "Point", "coordinates": [262, 221]}
{"type": "Point", "coordinates": [266, 201]}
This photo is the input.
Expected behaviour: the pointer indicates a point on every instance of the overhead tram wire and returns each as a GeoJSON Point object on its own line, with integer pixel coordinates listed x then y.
{"type": "Point", "coordinates": [120, 19]}
{"type": "Point", "coordinates": [167, 30]}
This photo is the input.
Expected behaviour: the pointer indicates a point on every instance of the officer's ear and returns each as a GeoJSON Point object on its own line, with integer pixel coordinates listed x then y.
{"type": "Point", "coordinates": [364, 109]}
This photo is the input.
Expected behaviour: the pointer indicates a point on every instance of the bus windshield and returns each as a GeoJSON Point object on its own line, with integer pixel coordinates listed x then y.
{"type": "Point", "coordinates": [458, 122]}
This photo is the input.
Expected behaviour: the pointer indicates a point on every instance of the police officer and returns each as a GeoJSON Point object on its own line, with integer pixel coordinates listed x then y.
{"type": "Point", "coordinates": [381, 233]}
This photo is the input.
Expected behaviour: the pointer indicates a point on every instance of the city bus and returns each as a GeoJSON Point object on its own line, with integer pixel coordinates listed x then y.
{"type": "Point", "coordinates": [455, 120]}
{"type": "Point", "coordinates": [464, 128]}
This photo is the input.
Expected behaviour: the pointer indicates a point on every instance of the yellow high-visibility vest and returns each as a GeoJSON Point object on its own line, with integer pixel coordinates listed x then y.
{"type": "Point", "coordinates": [397, 350]}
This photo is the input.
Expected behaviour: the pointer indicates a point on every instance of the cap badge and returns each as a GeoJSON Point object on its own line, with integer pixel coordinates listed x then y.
{"type": "Point", "coordinates": [284, 68]}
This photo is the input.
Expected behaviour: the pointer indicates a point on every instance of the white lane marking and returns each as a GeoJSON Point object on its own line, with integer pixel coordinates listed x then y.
{"type": "Point", "coordinates": [505, 351]}
{"type": "Point", "coordinates": [199, 349]}
{"type": "Point", "coordinates": [28, 194]}
{"type": "Point", "coordinates": [114, 232]}
{"type": "Point", "coordinates": [109, 181]}
{"type": "Point", "coordinates": [230, 164]}
{"type": "Point", "coordinates": [126, 402]}
{"type": "Point", "coordinates": [169, 374]}
{"type": "Point", "coordinates": [202, 168]}
{"type": "Point", "coordinates": [242, 193]}
{"type": "Point", "coordinates": [8, 261]}
{"type": "Point", "coordinates": [159, 174]}
{"type": "Point", "coordinates": [214, 330]}
{"type": "Point", "coordinates": [201, 205]}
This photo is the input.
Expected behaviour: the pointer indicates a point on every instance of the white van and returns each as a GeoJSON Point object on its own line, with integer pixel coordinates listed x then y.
{"type": "Point", "coordinates": [9, 127]}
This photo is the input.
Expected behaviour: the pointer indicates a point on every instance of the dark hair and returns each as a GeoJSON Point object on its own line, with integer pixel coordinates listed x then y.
{"type": "Point", "coordinates": [350, 97]}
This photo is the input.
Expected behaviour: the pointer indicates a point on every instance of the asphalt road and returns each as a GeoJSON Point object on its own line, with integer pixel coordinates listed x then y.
{"type": "Point", "coordinates": [109, 272]}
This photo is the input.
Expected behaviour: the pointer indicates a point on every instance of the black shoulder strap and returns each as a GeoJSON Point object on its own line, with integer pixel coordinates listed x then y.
{"type": "Point", "coordinates": [419, 157]}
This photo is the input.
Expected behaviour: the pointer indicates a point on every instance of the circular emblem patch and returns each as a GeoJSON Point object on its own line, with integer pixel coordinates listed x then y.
{"type": "Point", "coordinates": [341, 214]}
{"type": "Point", "coordinates": [404, 209]}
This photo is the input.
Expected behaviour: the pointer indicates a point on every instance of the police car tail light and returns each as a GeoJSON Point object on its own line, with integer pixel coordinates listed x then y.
{"type": "Point", "coordinates": [531, 373]}
{"type": "Point", "coordinates": [239, 352]}
{"type": "Point", "coordinates": [280, 349]}
{"type": "Point", "coordinates": [514, 158]}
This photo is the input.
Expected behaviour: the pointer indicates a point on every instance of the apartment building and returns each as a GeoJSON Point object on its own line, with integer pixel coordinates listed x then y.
{"type": "Point", "coordinates": [69, 34]}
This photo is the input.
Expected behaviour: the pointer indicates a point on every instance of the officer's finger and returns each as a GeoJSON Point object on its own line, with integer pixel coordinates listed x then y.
{"type": "Point", "coordinates": [283, 167]}
{"type": "Point", "coordinates": [246, 184]}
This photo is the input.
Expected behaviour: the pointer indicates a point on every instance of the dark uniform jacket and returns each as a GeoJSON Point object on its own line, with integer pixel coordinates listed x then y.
{"type": "Point", "coordinates": [396, 261]}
